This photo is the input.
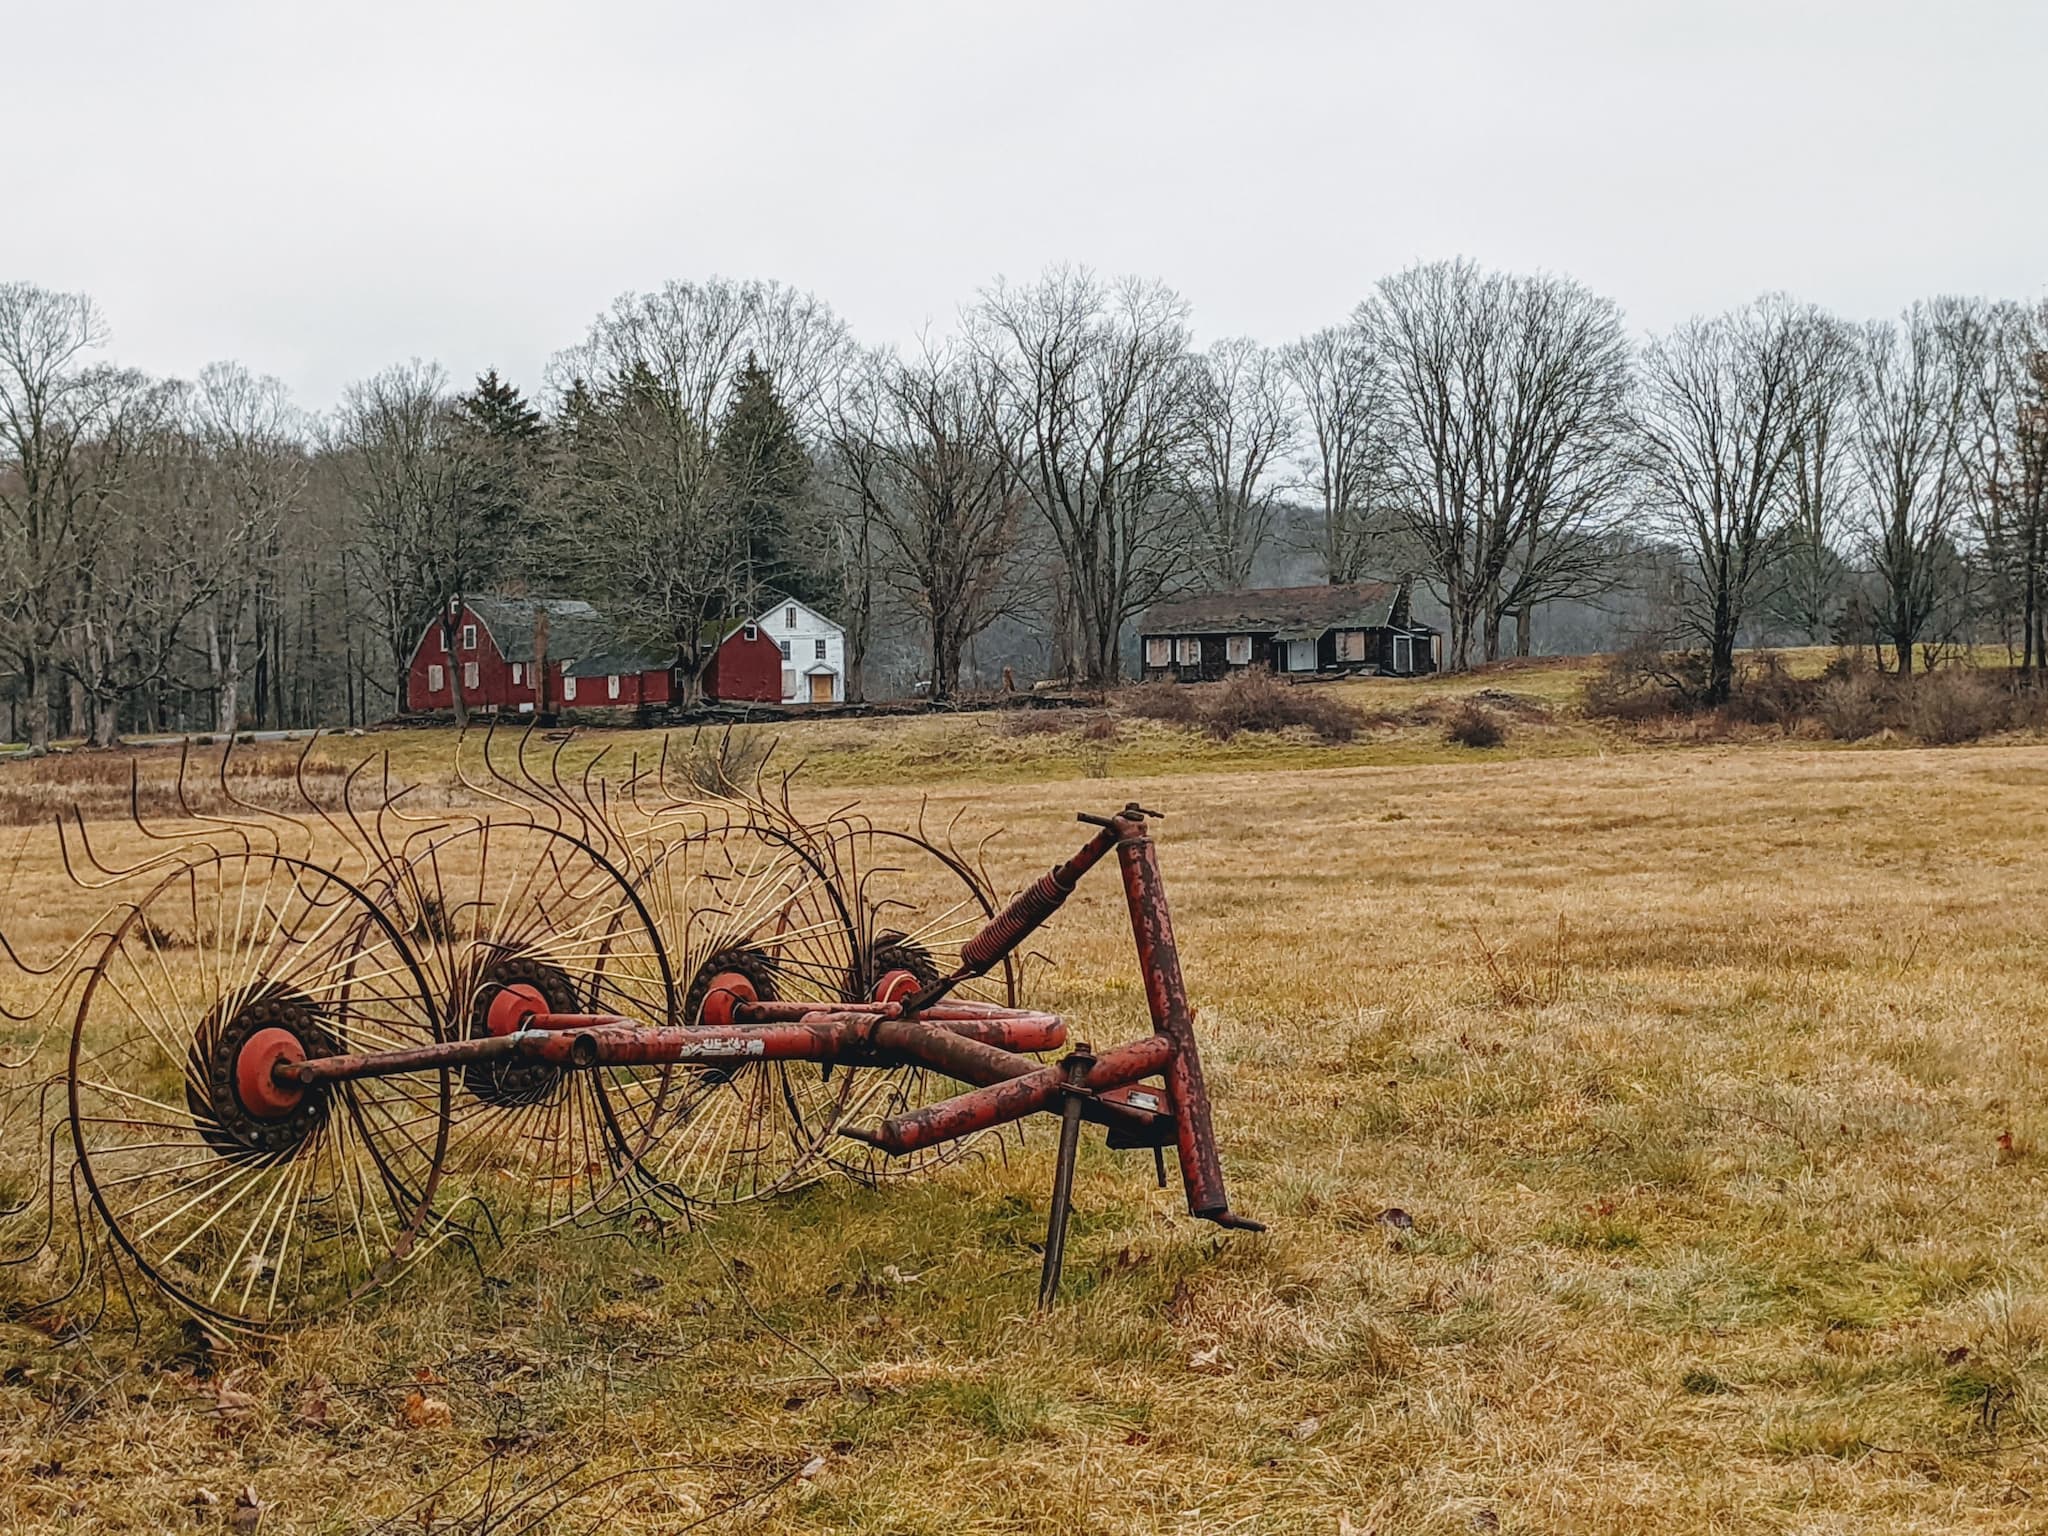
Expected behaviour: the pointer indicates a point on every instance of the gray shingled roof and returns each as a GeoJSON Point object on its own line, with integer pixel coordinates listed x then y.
{"type": "Point", "coordinates": [577, 633]}
{"type": "Point", "coordinates": [1263, 610]}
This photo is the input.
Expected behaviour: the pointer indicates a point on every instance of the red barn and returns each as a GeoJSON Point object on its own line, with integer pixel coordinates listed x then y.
{"type": "Point", "coordinates": [746, 666]}
{"type": "Point", "coordinates": [589, 664]}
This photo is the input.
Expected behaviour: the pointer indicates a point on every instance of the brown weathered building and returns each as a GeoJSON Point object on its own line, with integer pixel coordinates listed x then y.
{"type": "Point", "coordinates": [1296, 631]}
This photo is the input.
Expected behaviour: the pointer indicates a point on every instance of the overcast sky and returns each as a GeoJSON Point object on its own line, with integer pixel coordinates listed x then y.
{"type": "Point", "coordinates": [318, 191]}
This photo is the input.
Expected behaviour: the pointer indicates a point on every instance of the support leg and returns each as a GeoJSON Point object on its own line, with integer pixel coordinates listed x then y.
{"type": "Point", "coordinates": [1076, 1067]}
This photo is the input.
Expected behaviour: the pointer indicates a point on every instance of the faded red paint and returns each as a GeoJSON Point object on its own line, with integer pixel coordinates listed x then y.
{"type": "Point", "coordinates": [495, 688]}
{"type": "Point", "coordinates": [745, 670]}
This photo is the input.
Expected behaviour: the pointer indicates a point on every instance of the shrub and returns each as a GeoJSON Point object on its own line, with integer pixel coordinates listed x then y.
{"type": "Point", "coordinates": [1854, 703]}
{"type": "Point", "coordinates": [1252, 700]}
{"type": "Point", "coordinates": [1766, 693]}
{"type": "Point", "coordinates": [1947, 708]}
{"type": "Point", "coordinates": [1647, 682]}
{"type": "Point", "coordinates": [1175, 703]}
{"type": "Point", "coordinates": [1256, 700]}
{"type": "Point", "coordinates": [1474, 725]}
{"type": "Point", "coordinates": [723, 764]}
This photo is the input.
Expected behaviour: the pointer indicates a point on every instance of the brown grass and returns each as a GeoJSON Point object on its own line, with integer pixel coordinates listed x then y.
{"type": "Point", "coordinates": [1707, 1082]}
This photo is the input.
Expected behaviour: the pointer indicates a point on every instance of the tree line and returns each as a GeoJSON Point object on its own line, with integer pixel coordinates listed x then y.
{"type": "Point", "coordinates": [204, 553]}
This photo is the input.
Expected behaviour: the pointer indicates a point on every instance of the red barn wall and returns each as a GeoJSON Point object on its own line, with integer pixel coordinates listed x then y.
{"type": "Point", "coordinates": [494, 673]}
{"type": "Point", "coordinates": [745, 669]}
{"type": "Point", "coordinates": [495, 688]}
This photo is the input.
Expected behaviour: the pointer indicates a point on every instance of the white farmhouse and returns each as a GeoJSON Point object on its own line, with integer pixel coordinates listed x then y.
{"type": "Point", "coordinates": [813, 652]}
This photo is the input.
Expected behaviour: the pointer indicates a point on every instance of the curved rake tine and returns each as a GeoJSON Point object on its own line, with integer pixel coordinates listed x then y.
{"type": "Point", "coordinates": [267, 814]}
{"type": "Point", "coordinates": [518, 801]}
{"type": "Point", "coordinates": [78, 878]}
{"type": "Point", "coordinates": [305, 794]}
{"type": "Point", "coordinates": [135, 795]}
{"type": "Point", "coordinates": [244, 827]}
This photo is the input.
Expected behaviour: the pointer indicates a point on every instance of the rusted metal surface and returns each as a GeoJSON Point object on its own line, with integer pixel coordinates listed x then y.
{"type": "Point", "coordinates": [1001, 1103]}
{"type": "Point", "coordinates": [1166, 996]}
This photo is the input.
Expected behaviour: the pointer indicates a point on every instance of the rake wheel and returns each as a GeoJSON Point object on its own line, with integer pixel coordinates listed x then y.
{"type": "Point", "coordinates": [911, 904]}
{"type": "Point", "coordinates": [749, 912]}
{"type": "Point", "coordinates": [247, 1201]}
{"type": "Point", "coordinates": [500, 904]}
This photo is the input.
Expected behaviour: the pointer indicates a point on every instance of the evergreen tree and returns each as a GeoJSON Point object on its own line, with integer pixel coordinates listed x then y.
{"type": "Point", "coordinates": [502, 442]}
{"type": "Point", "coordinates": [763, 473]}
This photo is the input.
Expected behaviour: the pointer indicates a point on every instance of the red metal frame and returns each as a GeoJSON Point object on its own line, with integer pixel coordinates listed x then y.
{"type": "Point", "coordinates": [976, 1043]}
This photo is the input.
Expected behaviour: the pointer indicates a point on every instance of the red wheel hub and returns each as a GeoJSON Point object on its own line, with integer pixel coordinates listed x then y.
{"type": "Point", "coordinates": [512, 1005]}
{"type": "Point", "coordinates": [727, 991]}
{"type": "Point", "coordinates": [897, 986]}
{"type": "Point", "coordinates": [263, 1096]}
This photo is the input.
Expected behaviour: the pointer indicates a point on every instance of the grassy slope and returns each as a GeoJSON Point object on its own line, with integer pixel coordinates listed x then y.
{"type": "Point", "coordinates": [1690, 1069]}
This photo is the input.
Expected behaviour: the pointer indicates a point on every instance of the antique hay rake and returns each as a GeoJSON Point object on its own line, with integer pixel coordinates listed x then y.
{"type": "Point", "coordinates": [310, 1045]}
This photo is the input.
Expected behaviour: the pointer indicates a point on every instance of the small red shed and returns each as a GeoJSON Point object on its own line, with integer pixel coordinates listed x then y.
{"type": "Point", "coordinates": [746, 667]}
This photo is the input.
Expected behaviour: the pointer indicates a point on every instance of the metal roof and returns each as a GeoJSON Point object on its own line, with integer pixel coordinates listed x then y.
{"type": "Point", "coordinates": [577, 633]}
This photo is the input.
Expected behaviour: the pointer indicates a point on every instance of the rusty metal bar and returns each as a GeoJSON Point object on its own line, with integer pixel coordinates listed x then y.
{"type": "Point", "coordinates": [1013, 1099]}
{"type": "Point", "coordinates": [1173, 1018]}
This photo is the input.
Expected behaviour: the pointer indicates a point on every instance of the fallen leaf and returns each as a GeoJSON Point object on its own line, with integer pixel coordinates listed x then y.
{"type": "Point", "coordinates": [420, 1411]}
{"type": "Point", "coordinates": [248, 1513]}
{"type": "Point", "coordinates": [1486, 1520]}
{"type": "Point", "coordinates": [811, 1469]}
{"type": "Point", "coordinates": [314, 1406]}
{"type": "Point", "coordinates": [1306, 1429]}
{"type": "Point", "coordinates": [1206, 1359]}
{"type": "Point", "coordinates": [1396, 1218]}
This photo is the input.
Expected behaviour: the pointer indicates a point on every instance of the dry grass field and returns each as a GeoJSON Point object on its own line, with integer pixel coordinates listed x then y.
{"type": "Point", "coordinates": [1653, 1139]}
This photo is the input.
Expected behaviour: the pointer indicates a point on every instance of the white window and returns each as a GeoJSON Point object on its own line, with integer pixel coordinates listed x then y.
{"type": "Point", "coordinates": [783, 645]}
{"type": "Point", "coordinates": [750, 632]}
{"type": "Point", "coordinates": [1158, 650]}
{"type": "Point", "coordinates": [821, 649]}
{"type": "Point", "coordinates": [1237, 650]}
{"type": "Point", "coordinates": [1190, 652]}
{"type": "Point", "coordinates": [436, 679]}
{"type": "Point", "coordinates": [789, 619]}
{"type": "Point", "coordinates": [516, 674]}
{"type": "Point", "coordinates": [788, 682]}
{"type": "Point", "coordinates": [469, 637]}
{"type": "Point", "coordinates": [611, 687]}
{"type": "Point", "coordinates": [469, 674]}
{"type": "Point", "coordinates": [441, 640]}
{"type": "Point", "coordinates": [568, 687]}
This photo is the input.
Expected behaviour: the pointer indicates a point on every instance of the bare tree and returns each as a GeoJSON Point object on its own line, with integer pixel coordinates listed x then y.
{"type": "Point", "coordinates": [1809, 592]}
{"type": "Point", "coordinates": [255, 473]}
{"type": "Point", "coordinates": [140, 576]}
{"type": "Point", "coordinates": [1096, 388]}
{"type": "Point", "coordinates": [2001, 353]}
{"type": "Point", "coordinates": [394, 444]}
{"type": "Point", "coordinates": [1244, 428]}
{"type": "Point", "coordinates": [1912, 482]}
{"type": "Point", "coordinates": [53, 404]}
{"type": "Point", "coordinates": [1724, 407]}
{"type": "Point", "coordinates": [1344, 403]}
{"type": "Point", "coordinates": [949, 501]}
{"type": "Point", "coordinates": [1507, 399]}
